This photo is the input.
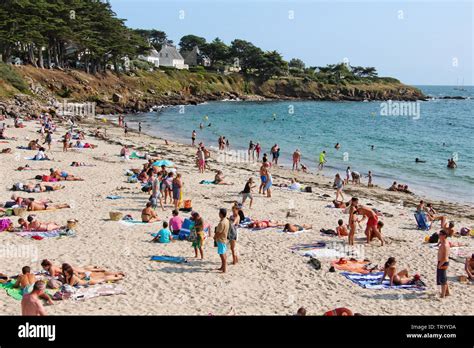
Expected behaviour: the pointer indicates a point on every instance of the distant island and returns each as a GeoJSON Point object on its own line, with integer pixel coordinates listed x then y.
{"type": "Point", "coordinates": [84, 52]}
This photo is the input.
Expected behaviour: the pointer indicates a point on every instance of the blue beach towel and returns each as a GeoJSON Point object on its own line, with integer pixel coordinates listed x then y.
{"type": "Point", "coordinates": [185, 230]}
{"type": "Point", "coordinates": [169, 259]}
{"type": "Point", "coordinates": [372, 281]}
{"type": "Point", "coordinates": [114, 197]}
{"type": "Point", "coordinates": [422, 221]}
{"type": "Point", "coordinates": [207, 182]}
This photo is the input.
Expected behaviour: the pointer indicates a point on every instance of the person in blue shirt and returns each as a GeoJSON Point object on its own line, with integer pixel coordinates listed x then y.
{"type": "Point", "coordinates": [164, 235]}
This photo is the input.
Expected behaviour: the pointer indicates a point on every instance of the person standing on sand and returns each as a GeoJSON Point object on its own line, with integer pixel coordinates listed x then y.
{"type": "Point", "coordinates": [274, 152]}
{"type": "Point", "coordinates": [370, 184]}
{"type": "Point", "coordinates": [30, 303]}
{"type": "Point", "coordinates": [322, 160]}
{"type": "Point", "coordinates": [348, 175]}
{"type": "Point", "coordinates": [258, 148]}
{"type": "Point", "coordinates": [220, 237]}
{"type": "Point", "coordinates": [263, 177]}
{"type": "Point", "coordinates": [371, 230]}
{"type": "Point", "coordinates": [201, 157]}
{"type": "Point", "coordinates": [251, 150]}
{"type": "Point", "coordinates": [193, 137]}
{"type": "Point", "coordinates": [338, 185]}
{"type": "Point", "coordinates": [443, 264]}
{"type": "Point", "coordinates": [296, 159]}
{"type": "Point", "coordinates": [139, 128]}
{"type": "Point", "coordinates": [198, 244]}
{"type": "Point", "coordinates": [125, 129]}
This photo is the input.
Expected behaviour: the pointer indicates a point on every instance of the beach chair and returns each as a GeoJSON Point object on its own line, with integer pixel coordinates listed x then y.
{"type": "Point", "coordinates": [422, 221]}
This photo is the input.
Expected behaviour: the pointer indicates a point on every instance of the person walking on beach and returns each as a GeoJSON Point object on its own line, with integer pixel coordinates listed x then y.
{"type": "Point", "coordinates": [31, 304]}
{"type": "Point", "coordinates": [247, 192]}
{"type": "Point", "coordinates": [193, 137]}
{"type": "Point", "coordinates": [443, 263]}
{"type": "Point", "coordinates": [338, 185]}
{"type": "Point", "coordinates": [348, 175]}
{"type": "Point", "coordinates": [275, 150]}
{"type": "Point", "coordinates": [139, 128]}
{"type": "Point", "coordinates": [234, 220]}
{"type": "Point", "coordinates": [220, 237]}
{"type": "Point", "coordinates": [48, 139]}
{"type": "Point", "coordinates": [227, 144]}
{"type": "Point", "coordinates": [198, 244]}
{"type": "Point", "coordinates": [322, 160]}
{"type": "Point", "coordinates": [296, 159]}
{"type": "Point", "coordinates": [125, 129]}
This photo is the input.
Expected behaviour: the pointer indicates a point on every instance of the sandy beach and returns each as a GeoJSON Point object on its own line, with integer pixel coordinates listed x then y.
{"type": "Point", "coordinates": [269, 279]}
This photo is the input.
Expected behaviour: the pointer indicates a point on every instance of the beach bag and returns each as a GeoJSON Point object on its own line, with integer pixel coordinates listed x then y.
{"type": "Point", "coordinates": [308, 189]}
{"type": "Point", "coordinates": [192, 235]}
{"type": "Point", "coordinates": [188, 204]}
{"type": "Point", "coordinates": [5, 224]}
{"type": "Point", "coordinates": [315, 263]}
{"type": "Point", "coordinates": [65, 292]}
{"type": "Point", "coordinates": [146, 187]}
{"type": "Point", "coordinates": [433, 238]}
{"type": "Point", "coordinates": [464, 231]}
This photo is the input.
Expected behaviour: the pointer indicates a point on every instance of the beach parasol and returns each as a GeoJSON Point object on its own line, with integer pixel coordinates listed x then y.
{"type": "Point", "coordinates": [165, 163]}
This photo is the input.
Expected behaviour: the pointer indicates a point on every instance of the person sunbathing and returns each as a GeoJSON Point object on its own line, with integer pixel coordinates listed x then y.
{"type": "Point", "coordinates": [400, 278]}
{"type": "Point", "coordinates": [34, 205]}
{"type": "Point", "coordinates": [340, 312]}
{"type": "Point", "coordinates": [432, 215]}
{"type": "Point", "coordinates": [83, 145]}
{"type": "Point", "coordinates": [63, 176]}
{"type": "Point", "coordinates": [148, 214]}
{"type": "Point", "coordinates": [34, 145]}
{"type": "Point", "coordinates": [469, 267]}
{"type": "Point", "coordinates": [266, 223]}
{"type": "Point", "coordinates": [74, 277]}
{"type": "Point", "coordinates": [31, 224]}
{"type": "Point", "coordinates": [341, 229]}
{"type": "Point", "coordinates": [8, 150]}
{"type": "Point", "coordinates": [32, 187]}
{"type": "Point", "coordinates": [296, 228]}
{"type": "Point", "coordinates": [26, 279]}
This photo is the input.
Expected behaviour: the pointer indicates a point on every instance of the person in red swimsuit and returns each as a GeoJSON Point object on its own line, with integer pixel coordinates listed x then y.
{"type": "Point", "coordinates": [372, 228]}
{"type": "Point", "coordinates": [340, 312]}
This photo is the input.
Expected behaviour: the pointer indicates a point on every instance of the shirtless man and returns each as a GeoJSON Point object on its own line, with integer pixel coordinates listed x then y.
{"type": "Point", "coordinates": [443, 263]}
{"type": "Point", "coordinates": [263, 178]}
{"type": "Point", "coordinates": [31, 305]}
{"type": "Point", "coordinates": [296, 159]}
{"type": "Point", "coordinates": [34, 205]}
{"type": "Point", "coordinates": [25, 279]}
{"type": "Point", "coordinates": [372, 228]}
{"type": "Point", "coordinates": [449, 229]}
{"type": "Point", "coordinates": [469, 267]}
{"type": "Point", "coordinates": [148, 214]}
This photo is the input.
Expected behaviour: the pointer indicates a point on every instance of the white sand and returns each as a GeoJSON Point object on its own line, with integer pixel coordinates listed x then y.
{"type": "Point", "coordinates": [269, 279]}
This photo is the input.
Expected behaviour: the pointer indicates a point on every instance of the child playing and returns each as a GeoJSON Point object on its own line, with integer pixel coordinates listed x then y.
{"type": "Point", "coordinates": [341, 229]}
{"type": "Point", "coordinates": [164, 235]}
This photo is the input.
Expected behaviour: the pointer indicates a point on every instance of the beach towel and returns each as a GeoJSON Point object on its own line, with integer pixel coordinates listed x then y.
{"type": "Point", "coordinates": [38, 235]}
{"type": "Point", "coordinates": [86, 293]}
{"type": "Point", "coordinates": [352, 266]}
{"type": "Point", "coordinates": [327, 253]}
{"type": "Point", "coordinates": [136, 222]}
{"type": "Point", "coordinates": [422, 221]}
{"type": "Point", "coordinates": [135, 155]}
{"type": "Point", "coordinates": [114, 197]}
{"type": "Point", "coordinates": [372, 281]}
{"type": "Point", "coordinates": [11, 291]}
{"type": "Point", "coordinates": [207, 182]}
{"type": "Point", "coordinates": [308, 246]}
{"type": "Point", "coordinates": [168, 259]}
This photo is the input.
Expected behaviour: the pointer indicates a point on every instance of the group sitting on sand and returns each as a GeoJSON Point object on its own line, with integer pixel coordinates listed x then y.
{"type": "Point", "coordinates": [399, 188]}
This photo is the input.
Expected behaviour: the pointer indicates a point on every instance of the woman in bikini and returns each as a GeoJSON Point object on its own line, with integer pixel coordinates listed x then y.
{"type": "Point", "coordinates": [148, 214]}
{"type": "Point", "coordinates": [177, 184]}
{"type": "Point", "coordinates": [400, 278]}
{"type": "Point", "coordinates": [296, 228]}
{"type": "Point", "coordinates": [31, 224]}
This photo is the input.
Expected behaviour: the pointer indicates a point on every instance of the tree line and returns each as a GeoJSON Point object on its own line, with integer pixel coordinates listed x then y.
{"type": "Point", "coordinates": [86, 34]}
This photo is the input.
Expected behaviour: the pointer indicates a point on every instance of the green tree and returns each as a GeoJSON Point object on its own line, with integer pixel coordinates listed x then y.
{"type": "Point", "coordinates": [188, 42]}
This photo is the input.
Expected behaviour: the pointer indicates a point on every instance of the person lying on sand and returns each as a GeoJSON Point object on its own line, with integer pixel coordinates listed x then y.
{"type": "Point", "coordinates": [95, 272]}
{"type": "Point", "coordinates": [469, 267]}
{"type": "Point", "coordinates": [32, 224]}
{"type": "Point", "coordinates": [219, 179]}
{"type": "Point", "coordinates": [33, 187]}
{"type": "Point", "coordinates": [6, 151]}
{"type": "Point", "coordinates": [400, 278]}
{"type": "Point", "coordinates": [296, 228]}
{"type": "Point", "coordinates": [34, 145]}
{"type": "Point", "coordinates": [34, 205]}
{"type": "Point", "coordinates": [83, 145]}
{"type": "Point", "coordinates": [148, 214]}
{"type": "Point", "coordinates": [266, 223]}
{"type": "Point", "coordinates": [63, 176]}
{"type": "Point", "coordinates": [432, 215]}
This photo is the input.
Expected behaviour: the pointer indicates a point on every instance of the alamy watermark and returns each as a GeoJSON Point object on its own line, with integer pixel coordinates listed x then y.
{"type": "Point", "coordinates": [399, 108]}
{"type": "Point", "coordinates": [76, 109]}
{"type": "Point", "coordinates": [11, 251]}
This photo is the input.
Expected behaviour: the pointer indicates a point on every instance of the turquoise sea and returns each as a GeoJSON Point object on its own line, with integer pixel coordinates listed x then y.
{"type": "Point", "coordinates": [442, 129]}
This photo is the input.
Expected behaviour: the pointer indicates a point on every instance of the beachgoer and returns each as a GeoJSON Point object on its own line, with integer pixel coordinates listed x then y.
{"type": "Point", "coordinates": [296, 159]}
{"type": "Point", "coordinates": [220, 237]}
{"type": "Point", "coordinates": [369, 175]}
{"type": "Point", "coordinates": [263, 178]}
{"type": "Point", "coordinates": [247, 192]}
{"type": "Point", "coordinates": [340, 312]}
{"type": "Point", "coordinates": [400, 278]}
{"type": "Point", "coordinates": [469, 267]}
{"type": "Point", "coordinates": [372, 228]}
{"type": "Point", "coordinates": [341, 229]}
{"type": "Point", "coordinates": [193, 137]}
{"type": "Point", "coordinates": [233, 233]}
{"type": "Point", "coordinates": [148, 214]}
{"type": "Point", "coordinates": [198, 244]}
{"type": "Point", "coordinates": [338, 185]}
{"type": "Point", "coordinates": [201, 159]}
{"type": "Point", "coordinates": [164, 235]}
{"type": "Point", "coordinates": [175, 222]}
{"type": "Point", "coordinates": [30, 303]}
{"type": "Point", "coordinates": [177, 185]}
{"type": "Point", "coordinates": [443, 263]}
{"type": "Point", "coordinates": [292, 228]}
{"type": "Point", "coordinates": [322, 160]}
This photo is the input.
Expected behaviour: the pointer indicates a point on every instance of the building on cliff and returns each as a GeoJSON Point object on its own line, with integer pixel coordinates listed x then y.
{"type": "Point", "coordinates": [153, 57]}
{"type": "Point", "coordinates": [170, 57]}
{"type": "Point", "coordinates": [195, 57]}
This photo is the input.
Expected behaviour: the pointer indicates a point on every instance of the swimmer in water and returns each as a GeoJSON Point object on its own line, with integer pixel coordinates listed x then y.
{"type": "Point", "coordinates": [417, 160]}
{"type": "Point", "coordinates": [372, 147]}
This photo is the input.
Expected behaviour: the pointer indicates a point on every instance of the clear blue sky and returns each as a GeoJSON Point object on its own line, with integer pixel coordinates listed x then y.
{"type": "Point", "coordinates": [418, 42]}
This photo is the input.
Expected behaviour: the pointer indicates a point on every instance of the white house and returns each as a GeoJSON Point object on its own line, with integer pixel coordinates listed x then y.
{"type": "Point", "coordinates": [153, 57]}
{"type": "Point", "coordinates": [169, 56]}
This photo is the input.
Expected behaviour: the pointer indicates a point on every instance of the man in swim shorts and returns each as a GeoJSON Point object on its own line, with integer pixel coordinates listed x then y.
{"type": "Point", "coordinates": [443, 263]}
{"type": "Point", "coordinates": [263, 177]}
{"type": "Point", "coordinates": [220, 238]}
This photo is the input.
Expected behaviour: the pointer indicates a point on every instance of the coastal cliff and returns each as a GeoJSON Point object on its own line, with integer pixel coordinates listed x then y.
{"type": "Point", "coordinates": [141, 90]}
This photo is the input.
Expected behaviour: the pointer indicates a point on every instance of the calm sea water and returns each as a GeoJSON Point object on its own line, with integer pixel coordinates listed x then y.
{"type": "Point", "coordinates": [442, 129]}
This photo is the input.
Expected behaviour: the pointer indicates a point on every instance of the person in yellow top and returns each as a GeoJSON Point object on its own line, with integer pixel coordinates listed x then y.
{"type": "Point", "coordinates": [220, 237]}
{"type": "Point", "coordinates": [322, 160]}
